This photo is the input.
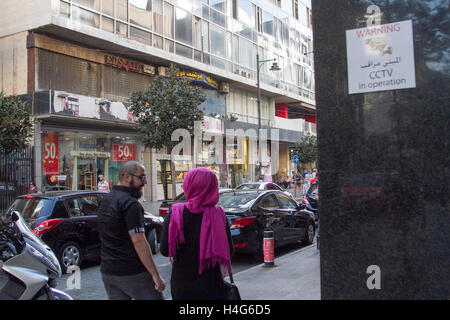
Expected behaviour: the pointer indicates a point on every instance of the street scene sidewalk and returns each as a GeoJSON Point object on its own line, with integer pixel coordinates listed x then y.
{"type": "Point", "coordinates": [295, 276]}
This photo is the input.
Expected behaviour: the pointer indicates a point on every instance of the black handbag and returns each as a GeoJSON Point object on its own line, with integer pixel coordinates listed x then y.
{"type": "Point", "coordinates": [231, 290]}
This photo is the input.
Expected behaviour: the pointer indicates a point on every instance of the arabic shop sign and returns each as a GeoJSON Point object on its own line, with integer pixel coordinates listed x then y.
{"type": "Point", "coordinates": [381, 57]}
{"type": "Point", "coordinates": [199, 79]}
{"type": "Point", "coordinates": [128, 65]}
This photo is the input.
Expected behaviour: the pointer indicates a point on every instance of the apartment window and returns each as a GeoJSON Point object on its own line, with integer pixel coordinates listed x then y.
{"type": "Point", "coordinates": [197, 33]}
{"type": "Point", "coordinates": [122, 29]}
{"type": "Point", "coordinates": [220, 5]}
{"type": "Point", "coordinates": [183, 26]}
{"type": "Point", "coordinates": [108, 7]}
{"type": "Point", "coordinates": [157, 41]}
{"type": "Point", "coordinates": [246, 53]}
{"type": "Point", "coordinates": [246, 12]}
{"type": "Point", "coordinates": [91, 4]}
{"type": "Point", "coordinates": [295, 8]}
{"type": "Point", "coordinates": [205, 12]}
{"type": "Point", "coordinates": [141, 13]}
{"type": "Point", "coordinates": [277, 30]}
{"type": "Point", "coordinates": [122, 10]}
{"type": "Point", "coordinates": [183, 50]}
{"type": "Point", "coordinates": [267, 23]}
{"type": "Point", "coordinates": [141, 35]}
{"type": "Point", "coordinates": [158, 16]}
{"type": "Point", "coordinates": [235, 49]}
{"type": "Point", "coordinates": [220, 42]}
{"type": "Point", "coordinates": [168, 20]}
{"type": "Point", "coordinates": [205, 35]}
{"type": "Point", "coordinates": [219, 18]}
{"type": "Point", "coordinates": [86, 17]}
{"type": "Point", "coordinates": [285, 34]}
{"type": "Point", "coordinates": [169, 46]}
{"type": "Point", "coordinates": [309, 18]}
{"type": "Point", "coordinates": [107, 24]}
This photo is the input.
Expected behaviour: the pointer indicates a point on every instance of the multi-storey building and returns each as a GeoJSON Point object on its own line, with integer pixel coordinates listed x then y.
{"type": "Point", "coordinates": [77, 61]}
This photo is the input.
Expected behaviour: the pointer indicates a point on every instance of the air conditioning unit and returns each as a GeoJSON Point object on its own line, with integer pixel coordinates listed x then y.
{"type": "Point", "coordinates": [163, 71]}
{"type": "Point", "coordinates": [224, 87]}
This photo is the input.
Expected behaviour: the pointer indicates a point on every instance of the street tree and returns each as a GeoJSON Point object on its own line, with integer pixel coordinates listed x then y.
{"type": "Point", "coordinates": [169, 103]}
{"type": "Point", "coordinates": [306, 149]}
{"type": "Point", "coordinates": [16, 127]}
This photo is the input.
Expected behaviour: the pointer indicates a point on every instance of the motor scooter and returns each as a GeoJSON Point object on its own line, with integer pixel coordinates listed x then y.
{"type": "Point", "coordinates": [29, 264]}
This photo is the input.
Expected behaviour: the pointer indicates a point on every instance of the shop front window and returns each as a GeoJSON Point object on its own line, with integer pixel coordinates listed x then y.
{"type": "Point", "coordinates": [74, 160]}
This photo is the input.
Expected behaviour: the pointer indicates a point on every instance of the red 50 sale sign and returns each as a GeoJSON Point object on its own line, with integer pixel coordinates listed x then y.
{"type": "Point", "coordinates": [124, 152]}
{"type": "Point", "coordinates": [50, 153]}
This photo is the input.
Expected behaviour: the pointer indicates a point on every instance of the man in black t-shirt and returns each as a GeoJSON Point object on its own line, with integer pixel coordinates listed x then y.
{"type": "Point", "coordinates": [127, 265]}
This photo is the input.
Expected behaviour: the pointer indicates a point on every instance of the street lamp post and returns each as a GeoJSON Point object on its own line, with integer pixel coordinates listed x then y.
{"type": "Point", "coordinates": [274, 67]}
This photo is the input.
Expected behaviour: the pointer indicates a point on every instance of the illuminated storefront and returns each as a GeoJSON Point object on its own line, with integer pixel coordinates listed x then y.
{"type": "Point", "coordinates": [74, 159]}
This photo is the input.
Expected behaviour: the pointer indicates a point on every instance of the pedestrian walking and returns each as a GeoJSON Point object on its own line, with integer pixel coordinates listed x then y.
{"type": "Point", "coordinates": [102, 184]}
{"type": "Point", "coordinates": [197, 239]}
{"type": "Point", "coordinates": [127, 265]}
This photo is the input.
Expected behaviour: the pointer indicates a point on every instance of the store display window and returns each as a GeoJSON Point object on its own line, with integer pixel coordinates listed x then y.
{"type": "Point", "coordinates": [74, 160]}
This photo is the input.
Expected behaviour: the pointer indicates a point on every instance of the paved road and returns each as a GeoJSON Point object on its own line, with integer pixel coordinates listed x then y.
{"type": "Point", "coordinates": [91, 285]}
{"type": "Point", "coordinates": [88, 285]}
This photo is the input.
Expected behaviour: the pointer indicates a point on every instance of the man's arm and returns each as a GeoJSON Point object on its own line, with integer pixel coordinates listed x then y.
{"type": "Point", "coordinates": [145, 255]}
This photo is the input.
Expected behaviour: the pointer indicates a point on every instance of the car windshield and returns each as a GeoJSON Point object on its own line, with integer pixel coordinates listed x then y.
{"type": "Point", "coordinates": [32, 208]}
{"type": "Point", "coordinates": [248, 186]}
{"type": "Point", "coordinates": [233, 200]}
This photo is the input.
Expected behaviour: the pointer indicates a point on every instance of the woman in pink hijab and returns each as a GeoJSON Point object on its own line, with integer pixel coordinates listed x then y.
{"type": "Point", "coordinates": [197, 239]}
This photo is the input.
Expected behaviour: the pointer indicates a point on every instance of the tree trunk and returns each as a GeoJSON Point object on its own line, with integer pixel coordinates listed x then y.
{"type": "Point", "coordinates": [164, 177]}
{"type": "Point", "coordinates": [173, 173]}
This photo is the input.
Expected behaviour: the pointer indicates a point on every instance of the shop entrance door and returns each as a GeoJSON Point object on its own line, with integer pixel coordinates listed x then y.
{"type": "Point", "coordinates": [87, 166]}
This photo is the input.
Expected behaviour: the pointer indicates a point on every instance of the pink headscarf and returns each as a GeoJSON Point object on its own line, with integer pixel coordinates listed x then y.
{"type": "Point", "coordinates": [202, 194]}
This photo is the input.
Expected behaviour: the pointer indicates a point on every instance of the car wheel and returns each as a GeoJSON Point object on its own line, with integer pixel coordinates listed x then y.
{"type": "Point", "coordinates": [153, 241]}
{"type": "Point", "coordinates": [309, 236]}
{"type": "Point", "coordinates": [70, 255]}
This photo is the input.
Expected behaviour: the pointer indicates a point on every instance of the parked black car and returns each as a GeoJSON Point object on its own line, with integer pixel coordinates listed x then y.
{"type": "Point", "coordinates": [166, 205]}
{"type": "Point", "coordinates": [310, 200]}
{"type": "Point", "coordinates": [250, 213]}
{"type": "Point", "coordinates": [67, 222]}
{"type": "Point", "coordinates": [259, 186]}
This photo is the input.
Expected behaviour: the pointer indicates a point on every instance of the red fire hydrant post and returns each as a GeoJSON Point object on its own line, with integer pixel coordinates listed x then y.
{"type": "Point", "coordinates": [269, 249]}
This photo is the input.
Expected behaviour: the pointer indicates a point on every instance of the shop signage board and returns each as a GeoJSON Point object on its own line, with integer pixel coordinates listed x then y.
{"type": "Point", "coordinates": [381, 57]}
{"type": "Point", "coordinates": [199, 78]}
{"type": "Point", "coordinates": [50, 153]}
{"type": "Point", "coordinates": [129, 65]}
{"type": "Point", "coordinates": [124, 152]}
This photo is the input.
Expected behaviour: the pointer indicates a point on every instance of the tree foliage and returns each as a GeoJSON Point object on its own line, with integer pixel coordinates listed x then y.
{"type": "Point", "coordinates": [15, 124]}
{"type": "Point", "coordinates": [169, 103]}
{"type": "Point", "coordinates": [306, 149]}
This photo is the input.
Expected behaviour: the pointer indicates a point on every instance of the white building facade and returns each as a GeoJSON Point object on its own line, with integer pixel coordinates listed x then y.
{"type": "Point", "coordinates": [77, 61]}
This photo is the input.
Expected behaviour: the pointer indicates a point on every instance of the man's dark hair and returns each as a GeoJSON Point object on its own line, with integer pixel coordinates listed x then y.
{"type": "Point", "coordinates": [130, 167]}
